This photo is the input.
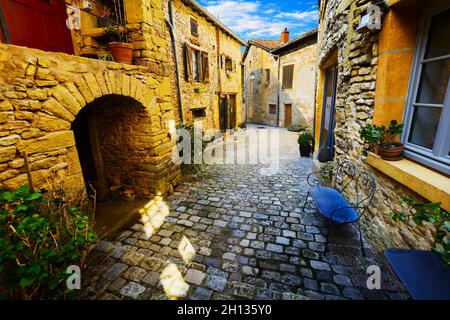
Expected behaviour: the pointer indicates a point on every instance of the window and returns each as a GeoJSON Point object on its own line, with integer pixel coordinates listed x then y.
{"type": "Point", "coordinates": [196, 64]}
{"type": "Point", "coordinates": [198, 113]}
{"type": "Point", "coordinates": [194, 27]}
{"type": "Point", "coordinates": [272, 108]}
{"type": "Point", "coordinates": [267, 76]}
{"type": "Point", "coordinates": [229, 66]}
{"type": "Point", "coordinates": [288, 76]}
{"type": "Point", "coordinates": [427, 112]}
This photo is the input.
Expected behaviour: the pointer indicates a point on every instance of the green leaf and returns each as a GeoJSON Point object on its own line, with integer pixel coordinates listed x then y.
{"type": "Point", "coordinates": [26, 282]}
{"type": "Point", "coordinates": [33, 196]}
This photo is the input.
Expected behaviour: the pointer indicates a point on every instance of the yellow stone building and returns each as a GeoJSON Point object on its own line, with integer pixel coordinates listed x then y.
{"type": "Point", "coordinates": [279, 79]}
{"type": "Point", "coordinates": [66, 112]}
{"type": "Point", "coordinates": [208, 87]}
{"type": "Point", "coordinates": [399, 71]}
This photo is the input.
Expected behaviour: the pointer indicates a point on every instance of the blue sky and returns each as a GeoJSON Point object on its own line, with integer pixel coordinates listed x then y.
{"type": "Point", "coordinates": [265, 19]}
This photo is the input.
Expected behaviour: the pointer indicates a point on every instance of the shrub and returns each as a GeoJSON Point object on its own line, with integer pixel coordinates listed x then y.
{"type": "Point", "coordinates": [40, 236]}
{"type": "Point", "coordinates": [305, 138]}
{"type": "Point", "coordinates": [434, 214]}
{"type": "Point", "coordinates": [298, 127]}
{"type": "Point", "coordinates": [374, 135]}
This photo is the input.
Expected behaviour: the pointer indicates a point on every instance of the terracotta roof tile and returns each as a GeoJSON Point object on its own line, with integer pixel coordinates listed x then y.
{"type": "Point", "coordinates": [271, 44]}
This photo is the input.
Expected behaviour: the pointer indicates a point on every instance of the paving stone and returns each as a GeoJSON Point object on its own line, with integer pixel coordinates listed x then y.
{"type": "Point", "coordinates": [112, 273]}
{"type": "Point", "coordinates": [242, 290]}
{"type": "Point", "coordinates": [274, 247]}
{"type": "Point", "coordinates": [352, 293]}
{"type": "Point", "coordinates": [342, 280]}
{"type": "Point", "coordinates": [195, 276]}
{"type": "Point", "coordinates": [134, 273]}
{"type": "Point", "coordinates": [152, 278]}
{"type": "Point", "coordinates": [132, 258]}
{"type": "Point", "coordinates": [329, 288]}
{"type": "Point", "coordinates": [104, 246]}
{"type": "Point", "coordinates": [202, 294]}
{"type": "Point", "coordinates": [117, 252]}
{"type": "Point", "coordinates": [282, 240]}
{"type": "Point", "coordinates": [215, 283]}
{"type": "Point", "coordinates": [152, 264]}
{"type": "Point", "coordinates": [132, 290]}
{"type": "Point", "coordinates": [310, 284]}
{"type": "Point", "coordinates": [289, 234]}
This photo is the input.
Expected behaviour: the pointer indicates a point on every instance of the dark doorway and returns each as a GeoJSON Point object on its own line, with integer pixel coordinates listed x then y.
{"type": "Point", "coordinates": [328, 107]}
{"type": "Point", "coordinates": [227, 112]}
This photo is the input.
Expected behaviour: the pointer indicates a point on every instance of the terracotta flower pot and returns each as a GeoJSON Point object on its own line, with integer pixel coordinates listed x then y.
{"type": "Point", "coordinates": [122, 52]}
{"type": "Point", "coordinates": [392, 153]}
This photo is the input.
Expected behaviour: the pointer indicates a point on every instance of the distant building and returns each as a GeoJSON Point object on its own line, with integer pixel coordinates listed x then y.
{"type": "Point", "coordinates": [209, 57]}
{"type": "Point", "coordinates": [279, 79]}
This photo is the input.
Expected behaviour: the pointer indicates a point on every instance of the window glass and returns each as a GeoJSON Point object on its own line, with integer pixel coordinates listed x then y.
{"type": "Point", "coordinates": [433, 81]}
{"type": "Point", "coordinates": [439, 36]}
{"type": "Point", "coordinates": [424, 126]}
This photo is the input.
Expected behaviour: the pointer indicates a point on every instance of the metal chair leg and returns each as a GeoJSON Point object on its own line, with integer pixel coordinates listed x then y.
{"type": "Point", "coordinates": [360, 239]}
{"type": "Point", "coordinates": [306, 200]}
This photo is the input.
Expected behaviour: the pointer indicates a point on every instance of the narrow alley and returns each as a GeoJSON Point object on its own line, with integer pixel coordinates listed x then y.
{"type": "Point", "coordinates": [231, 233]}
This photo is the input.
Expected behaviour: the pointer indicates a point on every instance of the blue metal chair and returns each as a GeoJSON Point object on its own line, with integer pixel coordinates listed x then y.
{"type": "Point", "coordinates": [330, 202]}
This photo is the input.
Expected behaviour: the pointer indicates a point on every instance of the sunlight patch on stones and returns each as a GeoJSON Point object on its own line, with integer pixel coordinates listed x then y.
{"type": "Point", "coordinates": [153, 215]}
{"type": "Point", "coordinates": [186, 250]}
{"type": "Point", "coordinates": [173, 282]}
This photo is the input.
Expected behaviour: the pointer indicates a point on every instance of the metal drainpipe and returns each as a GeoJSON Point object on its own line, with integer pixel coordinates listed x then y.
{"type": "Point", "coordinates": [177, 70]}
{"type": "Point", "coordinates": [278, 90]}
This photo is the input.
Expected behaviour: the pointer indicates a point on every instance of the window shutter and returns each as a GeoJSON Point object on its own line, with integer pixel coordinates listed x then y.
{"type": "Point", "coordinates": [205, 67]}
{"type": "Point", "coordinates": [188, 62]}
{"type": "Point", "coordinates": [288, 76]}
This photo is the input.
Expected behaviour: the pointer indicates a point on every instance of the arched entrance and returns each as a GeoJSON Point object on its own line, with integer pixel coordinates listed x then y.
{"type": "Point", "coordinates": [109, 136]}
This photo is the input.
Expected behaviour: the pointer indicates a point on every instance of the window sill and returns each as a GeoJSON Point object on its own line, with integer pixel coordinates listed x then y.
{"type": "Point", "coordinates": [430, 184]}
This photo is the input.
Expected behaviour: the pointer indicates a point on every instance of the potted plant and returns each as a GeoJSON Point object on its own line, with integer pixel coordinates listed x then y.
{"type": "Point", "coordinates": [380, 139]}
{"type": "Point", "coordinates": [121, 50]}
{"type": "Point", "coordinates": [390, 150]}
{"type": "Point", "coordinates": [305, 143]}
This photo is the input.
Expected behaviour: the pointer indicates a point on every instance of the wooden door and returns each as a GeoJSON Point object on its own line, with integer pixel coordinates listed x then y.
{"type": "Point", "coordinates": [39, 24]}
{"type": "Point", "coordinates": [287, 115]}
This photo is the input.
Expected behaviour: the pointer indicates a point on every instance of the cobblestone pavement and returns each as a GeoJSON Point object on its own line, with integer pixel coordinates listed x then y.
{"type": "Point", "coordinates": [231, 233]}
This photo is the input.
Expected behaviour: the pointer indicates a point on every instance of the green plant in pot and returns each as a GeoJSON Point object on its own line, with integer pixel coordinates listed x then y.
{"type": "Point", "coordinates": [121, 49]}
{"type": "Point", "coordinates": [305, 143]}
{"type": "Point", "coordinates": [383, 137]}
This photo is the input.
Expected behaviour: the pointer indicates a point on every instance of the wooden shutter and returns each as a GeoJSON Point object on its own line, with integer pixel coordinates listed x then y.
{"type": "Point", "coordinates": [188, 62]}
{"type": "Point", "coordinates": [205, 67]}
{"type": "Point", "coordinates": [288, 76]}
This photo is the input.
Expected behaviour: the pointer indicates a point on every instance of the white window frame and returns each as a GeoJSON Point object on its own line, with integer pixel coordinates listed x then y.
{"type": "Point", "coordinates": [438, 157]}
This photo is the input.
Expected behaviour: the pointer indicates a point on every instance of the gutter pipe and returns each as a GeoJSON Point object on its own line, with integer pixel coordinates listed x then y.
{"type": "Point", "coordinates": [171, 25]}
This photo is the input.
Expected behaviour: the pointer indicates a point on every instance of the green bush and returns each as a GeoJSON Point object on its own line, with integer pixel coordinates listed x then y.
{"type": "Point", "coordinates": [374, 135]}
{"type": "Point", "coordinates": [298, 127]}
{"type": "Point", "coordinates": [305, 138]}
{"type": "Point", "coordinates": [434, 214]}
{"type": "Point", "coordinates": [40, 236]}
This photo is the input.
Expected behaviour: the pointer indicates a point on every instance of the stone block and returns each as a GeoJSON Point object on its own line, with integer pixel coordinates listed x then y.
{"type": "Point", "coordinates": [49, 142]}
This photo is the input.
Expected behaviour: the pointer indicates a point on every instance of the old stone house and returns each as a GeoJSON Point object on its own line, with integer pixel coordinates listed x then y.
{"type": "Point", "coordinates": [399, 72]}
{"type": "Point", "coordinates": [208, 56]}
{"type": "Point", "coordinates": [83, 119]}
{"type": "Point", "coordinates": [279, 79]}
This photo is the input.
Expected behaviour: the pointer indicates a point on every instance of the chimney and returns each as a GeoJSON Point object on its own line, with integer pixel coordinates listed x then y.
{"type": "Point", "coordinates": [285, 35]}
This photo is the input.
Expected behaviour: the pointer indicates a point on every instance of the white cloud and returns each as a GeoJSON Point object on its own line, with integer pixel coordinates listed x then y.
{"type": "Point", "coordinates": [255, 19]}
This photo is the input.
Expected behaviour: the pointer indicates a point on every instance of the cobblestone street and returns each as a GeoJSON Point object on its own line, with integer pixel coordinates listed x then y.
{"type": "Point", "coordinates": [231, 233]}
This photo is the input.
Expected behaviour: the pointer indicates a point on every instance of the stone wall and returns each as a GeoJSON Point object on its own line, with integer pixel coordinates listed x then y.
{"type": "Point", "coordinates": [357, 61]}
{"type": "Point", "coordinates": [42, 93]}
{"type": "Point", "coordinates": [215, 42]}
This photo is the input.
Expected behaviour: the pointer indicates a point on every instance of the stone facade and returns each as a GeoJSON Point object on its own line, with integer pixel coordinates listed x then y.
{"type": "Point", "coordinates": [217, 43]}
{"type": "Point", "coordinates": [260, 92]}
{"type": "Point", "coordinates": [359, 100]}
{"type": "Point", "coordinates": [54, 107]}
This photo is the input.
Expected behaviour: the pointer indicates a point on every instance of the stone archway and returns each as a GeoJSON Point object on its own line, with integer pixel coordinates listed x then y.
{"type": "Point", "coordinates": [110, 137]}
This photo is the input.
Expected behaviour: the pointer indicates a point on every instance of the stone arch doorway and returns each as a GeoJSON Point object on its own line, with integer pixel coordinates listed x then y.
{"type": "Point", "coordinates": [109, 137]}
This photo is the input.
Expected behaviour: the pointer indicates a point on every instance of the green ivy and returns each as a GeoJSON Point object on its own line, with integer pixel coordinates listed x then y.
{"type": "Point", "coordinates": [434, 214]}
{"type": "Point", "coordinates": [39, 238]}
